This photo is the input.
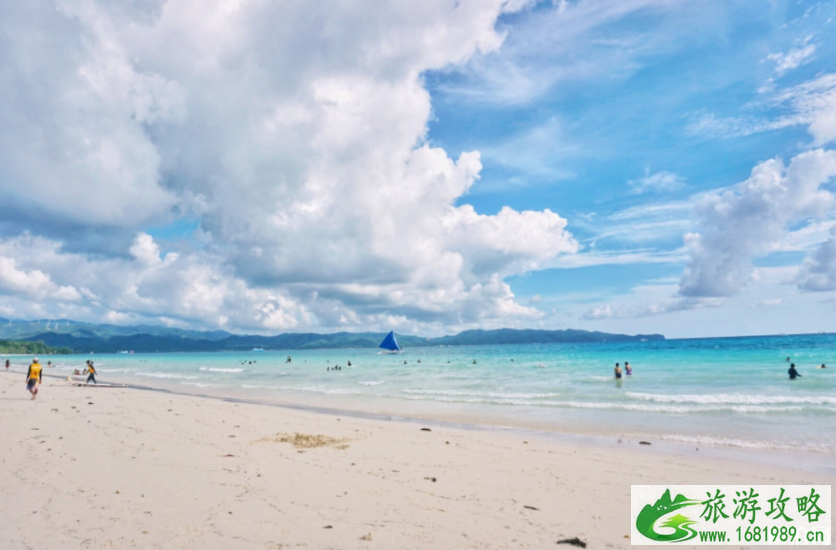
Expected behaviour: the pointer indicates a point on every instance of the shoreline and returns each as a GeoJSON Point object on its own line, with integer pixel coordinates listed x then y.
{"type": "Point", "coordinates": [814, 461]}
{"type": "Point", "coordinates": [144, 468]}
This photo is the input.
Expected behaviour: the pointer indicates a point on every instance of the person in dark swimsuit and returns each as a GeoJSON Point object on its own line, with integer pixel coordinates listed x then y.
{"type": "Point", "coordinates": [792, 372]}
{"type": "Point", "coordinates": [617, 371]}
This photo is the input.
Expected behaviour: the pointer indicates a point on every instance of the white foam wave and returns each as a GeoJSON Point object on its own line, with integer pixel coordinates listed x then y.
{"type": "Point", "coordinates": [201, 384]}
{"type": "Point", "coordinates": [479, 394]}
{"type": "Point", "coordinates": [311, 389]}
{"type": "Point", "coordinates": [371, 383]}
{"type": "Point", "coordinates": [170, 375]}
{"type": "Point", "coordinates": [328, 391]}
{"type": "Point", "coordinates": [623, 406]}
{"type": "Point", "coordinates": [734, 399]}
{"type": "Point", "coordinates": [751, 444]}
{"type": "Point", "coordinates": [213, 369]}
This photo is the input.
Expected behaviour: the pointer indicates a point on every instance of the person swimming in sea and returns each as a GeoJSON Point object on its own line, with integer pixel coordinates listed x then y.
{"type": "Point", "coordinates": [792, 372]}
{"type": "Point", "coordinates": [34, 377]}
{"type": "Point", "coordinates": [628, 370]}
{"type": "Point", "coordinates": [617, 371]}
{"type": "Point", "coordinates": [823, 366]}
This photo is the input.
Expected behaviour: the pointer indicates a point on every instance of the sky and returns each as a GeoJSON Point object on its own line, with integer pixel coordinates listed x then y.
{"type": "Point", "coordinates": [631, 166]}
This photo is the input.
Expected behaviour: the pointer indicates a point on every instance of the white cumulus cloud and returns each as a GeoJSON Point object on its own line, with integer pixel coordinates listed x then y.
{"type": "Point", "coordinates": [819, 270]}
{"type": "Point", "coordinates": [743, 223]}
{"type": "Point", "coordinates": [293, 133]}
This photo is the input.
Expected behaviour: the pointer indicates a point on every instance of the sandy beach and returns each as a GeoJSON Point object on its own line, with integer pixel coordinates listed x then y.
{"type": "Point", "coordinates": [127, 468]}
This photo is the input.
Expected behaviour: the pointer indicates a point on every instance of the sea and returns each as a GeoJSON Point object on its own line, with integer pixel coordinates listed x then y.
{"type": "Point", "coordinates": [731, 392]}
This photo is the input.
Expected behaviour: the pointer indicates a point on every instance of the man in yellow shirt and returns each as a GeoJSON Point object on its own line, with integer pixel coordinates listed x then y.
{"type": "Point", "coordinates": [91, 373]}
{"type": "Point", "coordinates": [34, 377]}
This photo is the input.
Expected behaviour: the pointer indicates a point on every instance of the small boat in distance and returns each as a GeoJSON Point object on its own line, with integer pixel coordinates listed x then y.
{"type": "Point", "coordinates": [390, 344]}
{"type": "Point", "coordinates": [258, 349]}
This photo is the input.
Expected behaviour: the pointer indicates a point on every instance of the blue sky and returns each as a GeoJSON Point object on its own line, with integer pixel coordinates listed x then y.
{"type": "Point", "coordinates": [627, 166]}
{"type": "Point", "coordinates": [620, 102]}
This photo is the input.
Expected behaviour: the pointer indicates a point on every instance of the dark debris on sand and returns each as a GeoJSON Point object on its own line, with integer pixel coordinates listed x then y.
{"type": "Point", "coordinates": [573, 541]}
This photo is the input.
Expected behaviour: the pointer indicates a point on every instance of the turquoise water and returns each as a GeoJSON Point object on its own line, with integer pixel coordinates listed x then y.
{"type": "Point", "coordinates": [730, 391]}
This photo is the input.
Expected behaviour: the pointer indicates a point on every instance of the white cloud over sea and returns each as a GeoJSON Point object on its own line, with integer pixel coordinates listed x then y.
{"type": "Point", "coordinates": [294, 134]}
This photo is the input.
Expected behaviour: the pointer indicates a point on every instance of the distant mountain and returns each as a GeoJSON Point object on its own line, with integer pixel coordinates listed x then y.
{"type": "Point", "coordinates": [17, 329]}
{"type": "Point", "coordinates": [88, 337]}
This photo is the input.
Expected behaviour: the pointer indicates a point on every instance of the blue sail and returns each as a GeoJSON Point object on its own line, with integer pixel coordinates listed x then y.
{"type": "Point", "coordinates": [390, 343]}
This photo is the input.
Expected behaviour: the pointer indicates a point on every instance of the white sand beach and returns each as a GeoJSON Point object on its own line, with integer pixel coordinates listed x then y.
{"type": "Point", "coordinates": [126, 468]}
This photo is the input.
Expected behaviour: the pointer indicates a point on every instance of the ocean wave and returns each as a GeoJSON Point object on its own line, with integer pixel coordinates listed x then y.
{"type": "Point", "coordinates": [620, 406]}
{"type": "Point", "coordinates": [170, 375]}
{"type": "Point", "coordinates": [479, 394]}
{"type": "Point", "coordinates": [311, 389]}
{"type": "Point", "coordinates": [213, 369]}
{"type": "Point", "coordinates": [327, 391]}
{"type": "Point", "coordinates": [749, 444]}
{"type": "Point", "coordinates": [201, 384]}
{"type": "Point", "coordinates": [734, 399]}
{"type": "Point", "coordinates": [371, 383]}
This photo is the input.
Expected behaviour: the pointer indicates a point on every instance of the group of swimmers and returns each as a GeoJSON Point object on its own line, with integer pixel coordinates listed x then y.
{"type": "Point", "coordinates": [794, 373]}
{"type": "Point", "coordinates": [628, 370]}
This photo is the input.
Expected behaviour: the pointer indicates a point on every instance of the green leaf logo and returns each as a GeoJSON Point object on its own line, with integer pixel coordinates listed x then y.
{"type": "Point", "coordinates": [646, 521]}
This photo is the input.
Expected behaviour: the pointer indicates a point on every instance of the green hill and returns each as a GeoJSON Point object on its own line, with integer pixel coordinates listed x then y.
{"type": "Point", "coordinates": [30, 348]}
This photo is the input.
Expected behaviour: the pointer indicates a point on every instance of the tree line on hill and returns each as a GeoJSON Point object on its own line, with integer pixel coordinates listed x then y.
{"type": "Point", "coordinates": [26, 347]}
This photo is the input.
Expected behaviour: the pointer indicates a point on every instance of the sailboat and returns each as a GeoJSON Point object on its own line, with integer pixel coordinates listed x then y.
{"type": "Point", "coordinates": [390, 344]}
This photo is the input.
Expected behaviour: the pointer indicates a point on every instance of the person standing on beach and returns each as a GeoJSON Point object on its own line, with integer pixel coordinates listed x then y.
{"type": "Point", "coordinates": [92, 373]}
{"type": "Point", "coordinates": [617, 371]}
{"type": "Point", "coordinates": [7, 364]}
{"type": "Point", "coordinates": [34, 377]}
{"type": "Point", "coordinates": [792, 372]}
